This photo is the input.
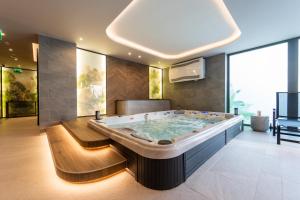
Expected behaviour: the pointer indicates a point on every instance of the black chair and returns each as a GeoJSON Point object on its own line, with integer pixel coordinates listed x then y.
{"type": "Point", "coordinates": [286, 118]}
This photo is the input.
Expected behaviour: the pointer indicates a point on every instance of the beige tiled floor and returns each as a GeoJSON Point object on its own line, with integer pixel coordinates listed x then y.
{"type": "Point", "coordinates": [252, 166]}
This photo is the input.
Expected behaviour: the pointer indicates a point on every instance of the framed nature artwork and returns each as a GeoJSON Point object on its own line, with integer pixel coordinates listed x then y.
{"type": "Point", "coordinates": [155, 83]}
{"type": "Point", "coordinates": [91, 83]}
{"type": "Point", "coordinates": [19, 92]}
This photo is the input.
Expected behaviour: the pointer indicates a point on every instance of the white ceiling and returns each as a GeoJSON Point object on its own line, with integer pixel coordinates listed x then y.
{"type": "Point", "coordinates": [175, 28]}
{"type": "Point", "coordinates": [260, 21]}
{"type": "Point", "coordinates": [21, 44]}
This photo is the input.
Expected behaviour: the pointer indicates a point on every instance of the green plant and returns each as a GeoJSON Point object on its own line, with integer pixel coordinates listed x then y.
{"type": "Point", "coordinates": [241, 105]}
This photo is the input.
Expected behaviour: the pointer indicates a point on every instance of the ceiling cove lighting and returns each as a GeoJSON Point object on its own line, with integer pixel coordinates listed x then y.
{"type": "Point", "coordinates": [132, 15]}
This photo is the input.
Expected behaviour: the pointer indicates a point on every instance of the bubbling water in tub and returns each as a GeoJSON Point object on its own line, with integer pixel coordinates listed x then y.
{"type": "Point", "coordinates": [167, 128]}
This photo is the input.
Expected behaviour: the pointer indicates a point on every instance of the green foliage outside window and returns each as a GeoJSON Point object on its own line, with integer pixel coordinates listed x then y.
{"type": "Point", "coordinates": [241, 105]}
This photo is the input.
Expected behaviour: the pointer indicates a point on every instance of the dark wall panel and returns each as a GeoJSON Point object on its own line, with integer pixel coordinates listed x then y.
{"type": "Point", "coordinates": [56, 81]}
{"type": "Point", "coordinates": [205, 94]}
{"type": "Point", "coordinates": [125, 80]}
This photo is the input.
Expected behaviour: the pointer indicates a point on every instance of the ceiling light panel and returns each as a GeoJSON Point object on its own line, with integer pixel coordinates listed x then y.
{"type": "Point", "coordinates": [174, 29]}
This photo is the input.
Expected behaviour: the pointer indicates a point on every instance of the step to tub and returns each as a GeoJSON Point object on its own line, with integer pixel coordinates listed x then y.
{"type": "Point", "coordinates": [77, 164]}
{"type": "Point", "coordinates": [84, 135]}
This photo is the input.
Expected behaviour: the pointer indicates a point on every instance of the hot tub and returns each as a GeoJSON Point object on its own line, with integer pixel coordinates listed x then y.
{"type": "Point", "coordinates": [164, 148]}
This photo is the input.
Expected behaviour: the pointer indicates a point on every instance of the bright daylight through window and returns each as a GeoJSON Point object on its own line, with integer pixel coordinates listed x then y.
{"type": "Point", "coordinates": [255, 77]}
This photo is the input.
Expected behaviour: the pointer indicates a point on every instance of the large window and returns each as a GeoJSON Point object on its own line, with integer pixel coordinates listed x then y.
{"type": "Point", "coordinates": [255, 77]}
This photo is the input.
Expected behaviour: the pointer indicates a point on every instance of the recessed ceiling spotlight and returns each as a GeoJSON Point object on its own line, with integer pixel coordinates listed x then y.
{"type": "Point", "coordinates": [123, 32]}
{"type": "Point", "coordinates": [80, 39]}
{"type": "Point", "coordinates": [16, 59]}
{"type": "Point", "coordinates": [19, 65]}
{"type": "Point", "coordinates": [10, 49]}
{"type": "Point", "coordinates": [129, 53]}
{"type": "Point", "coordinates": [139, 56]}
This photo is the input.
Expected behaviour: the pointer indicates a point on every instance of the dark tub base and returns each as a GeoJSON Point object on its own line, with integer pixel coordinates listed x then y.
{"type": "Point", "coordinates": [163, 174]}
{"type": "Point", "coordinates": [160, 174]}
{"type": "Point", "coordinates": [197, 156]}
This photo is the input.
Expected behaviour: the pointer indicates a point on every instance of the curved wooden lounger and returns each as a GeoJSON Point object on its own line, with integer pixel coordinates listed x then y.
{"type": "Point", "coordinates": [84, 135]}
{"type": "Point", "coordinates": [76, 164]}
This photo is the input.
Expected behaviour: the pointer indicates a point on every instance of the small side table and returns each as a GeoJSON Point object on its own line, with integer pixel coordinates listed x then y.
{"type": "Point", "coordinates": [260, 123]}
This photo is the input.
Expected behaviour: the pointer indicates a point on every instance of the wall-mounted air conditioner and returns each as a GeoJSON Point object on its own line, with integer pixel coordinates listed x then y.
{"type": "Point", "coordinates": [187, 71]}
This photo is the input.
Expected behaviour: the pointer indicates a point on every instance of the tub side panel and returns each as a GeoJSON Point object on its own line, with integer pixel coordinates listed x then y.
{"type": "Point", "coordinates": [198, 155]}
{"type": "Point", "coordinates": [233, 131]}
{"type": "Point", "coordinates": [160, 174]}
{"type": "Point", "coordinates": [130, 155]}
